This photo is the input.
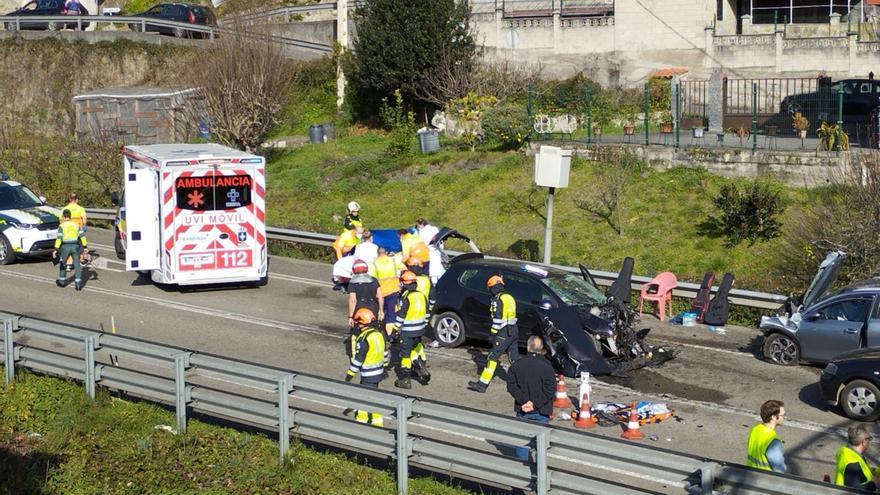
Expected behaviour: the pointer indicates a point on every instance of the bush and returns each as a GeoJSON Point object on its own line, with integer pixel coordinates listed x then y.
{"type": "Point", "coordinates": [748, 214]}
{"type": "Point", "coordinates": [508, 125]}
{"type": "Point", "coordinates": [400, 123]}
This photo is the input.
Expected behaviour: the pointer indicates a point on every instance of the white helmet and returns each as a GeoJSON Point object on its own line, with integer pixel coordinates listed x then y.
{"type": "Point", "coordinates": [354, 206]}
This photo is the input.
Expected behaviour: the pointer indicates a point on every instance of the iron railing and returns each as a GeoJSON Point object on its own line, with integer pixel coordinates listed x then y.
{"type": "Point", "coordinates": [687, 290]}
{"type": "Point", "coordinates": [141, 24]}
{"type": "Point", "coordinates": [444, 438]}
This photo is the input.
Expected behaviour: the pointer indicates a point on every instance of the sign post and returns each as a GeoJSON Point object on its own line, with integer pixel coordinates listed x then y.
{"type": "Point", "coordinates": [552, 167]}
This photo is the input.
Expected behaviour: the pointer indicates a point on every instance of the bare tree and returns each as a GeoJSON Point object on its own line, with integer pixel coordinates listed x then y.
{"type": "Point", "coordinates": [605, 201]}
{"type": "Point", "coordinates": [453, 79]}
{"type": "Point", "coordinates": [844, 216]}
{"type": "Point", "coordinates": [242, 85]}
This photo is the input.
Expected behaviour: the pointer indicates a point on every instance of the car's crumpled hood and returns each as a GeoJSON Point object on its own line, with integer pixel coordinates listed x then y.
{"type": "Point", "coordinates": [577, 344]}
{"type": "Point", "coordinates": [782, 322]}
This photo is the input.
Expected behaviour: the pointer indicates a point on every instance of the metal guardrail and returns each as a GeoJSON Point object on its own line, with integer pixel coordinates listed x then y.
{"type": "Point", "coordinates": [687, 290]}
{"type": "Point", "coordinates": [16, 23]}
{"type": "Point", "coordinates": [444, 438]}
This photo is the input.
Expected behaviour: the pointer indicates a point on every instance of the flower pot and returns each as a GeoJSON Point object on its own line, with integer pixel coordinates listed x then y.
{"type": "Point", "coordinates": [666, 127]}
{"type": "Point", "coordinates": [803, 133]}
{"type": "Point", "coordinates": [697, 131]}
{"type": "Point", "coordinates": [629, 129]}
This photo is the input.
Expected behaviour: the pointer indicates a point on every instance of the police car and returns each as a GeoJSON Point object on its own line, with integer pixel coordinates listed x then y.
{"type": "Point", "coordinates": [27, 225]}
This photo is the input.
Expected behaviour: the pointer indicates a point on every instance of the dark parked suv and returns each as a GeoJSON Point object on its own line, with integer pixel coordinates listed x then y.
{"type": "Point", "coordinates": [41, 8]}
{"type": "Point", "coordinates": [180, 12]}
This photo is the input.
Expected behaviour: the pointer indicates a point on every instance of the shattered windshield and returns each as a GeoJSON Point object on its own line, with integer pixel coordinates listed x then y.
{"type": "Point", "coordinates": [574, 290]}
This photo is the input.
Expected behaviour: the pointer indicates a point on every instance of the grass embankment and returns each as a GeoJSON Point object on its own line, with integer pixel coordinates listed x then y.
{"type": "Point", "coordinates": [54, 440]}
{"type": "Point", "coordinates": [486, 195]}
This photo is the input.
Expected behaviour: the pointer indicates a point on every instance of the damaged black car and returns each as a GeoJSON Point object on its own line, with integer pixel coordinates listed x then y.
{"type": "Point", "coordinates": [586, 330]}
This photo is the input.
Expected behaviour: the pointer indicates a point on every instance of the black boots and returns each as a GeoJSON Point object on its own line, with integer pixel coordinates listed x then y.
{"type": "Point", "coordinates": [403, 382]}
{"type": "Point", "coordinates": [420, 368]}
{"type": "Point", "coordinates": [478, 386]}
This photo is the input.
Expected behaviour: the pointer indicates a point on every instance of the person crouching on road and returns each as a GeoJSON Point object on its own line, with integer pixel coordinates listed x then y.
{"type": "Point", "coordinates": [532, 383]}
{"type": "Point", "coordinates": [411, 322]}
{"type": "Point", "coordinates": [764, 447]}
{"type": "Point", "coordinates": [504, 330]}
{"type": "Point", "coordinates": [851, 469]}
{"type": "Point", "coordinates": [369, 359]}
{"type": "Point", "coordinates": [68, 244]}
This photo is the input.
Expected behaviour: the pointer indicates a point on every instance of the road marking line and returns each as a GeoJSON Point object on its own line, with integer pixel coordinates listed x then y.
{"type": "Point", "coordinates": [703, 347]}
{"type": "Point", "coordinates": [293, 327]}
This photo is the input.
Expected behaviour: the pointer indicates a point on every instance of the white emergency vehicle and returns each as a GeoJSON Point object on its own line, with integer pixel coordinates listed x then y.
{"type": "Point", "coordinates": [194, 214]}
{"type": "Point", "coordinates": [28, 227]}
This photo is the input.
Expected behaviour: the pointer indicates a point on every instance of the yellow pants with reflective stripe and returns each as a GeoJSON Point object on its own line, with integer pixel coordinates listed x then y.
{"type": "Point", "coordinates": [488, 371]}
{"type": "Point", "coordinates": [374, 419]}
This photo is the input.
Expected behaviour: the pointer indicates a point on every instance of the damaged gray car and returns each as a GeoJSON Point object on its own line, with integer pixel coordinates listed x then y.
{"type": "Point", "coordinates": [824, 324]}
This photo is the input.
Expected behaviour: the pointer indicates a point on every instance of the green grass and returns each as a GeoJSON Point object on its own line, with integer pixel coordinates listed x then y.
{"type": "Point", "coordinates": [54, 440]}
{"type": "Point", "coordinates": [486, 195]}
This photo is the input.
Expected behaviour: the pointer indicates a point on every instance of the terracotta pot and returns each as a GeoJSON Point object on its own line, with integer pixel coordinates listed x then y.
{"type": "Point", "coordinates": [666, 127]}
{"type": "Point", "coordinates": [629, 129]}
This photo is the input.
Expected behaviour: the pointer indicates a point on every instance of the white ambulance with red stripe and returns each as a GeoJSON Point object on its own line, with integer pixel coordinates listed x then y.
{"type": "Point", "coordinates": [194, 214]}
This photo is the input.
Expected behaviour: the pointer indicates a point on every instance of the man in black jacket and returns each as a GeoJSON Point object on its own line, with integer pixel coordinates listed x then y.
{"type": "Point", "coordinates": [532, 383]}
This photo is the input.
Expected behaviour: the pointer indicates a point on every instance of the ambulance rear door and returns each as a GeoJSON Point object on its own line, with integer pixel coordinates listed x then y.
{"type": "Point", "coordinates": [142, 219]}
{"type": "Point", "coordinates": [215, 224]}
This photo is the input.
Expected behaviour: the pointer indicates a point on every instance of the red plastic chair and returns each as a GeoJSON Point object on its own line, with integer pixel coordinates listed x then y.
{"type": "Point", "coordinates": [659, 290]}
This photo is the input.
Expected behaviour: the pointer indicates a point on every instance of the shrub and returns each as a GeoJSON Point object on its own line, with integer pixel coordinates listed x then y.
{"type": "Point", "coordinates": [400, 123]}
{"type": "Point", "coordinates": [749, 213]}
{"type": "Point", "coordinates": [508, 125]}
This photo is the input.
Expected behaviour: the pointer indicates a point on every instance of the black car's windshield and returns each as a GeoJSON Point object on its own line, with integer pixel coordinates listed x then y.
{"type": "Point", "coordinates": [17, 197]}
{"type": "Point", "coordinates": [574, 290]}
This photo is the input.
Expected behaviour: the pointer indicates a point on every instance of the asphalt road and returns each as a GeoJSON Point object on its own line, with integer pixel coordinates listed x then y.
{"type": "Point", "coordinates": [716, 383]}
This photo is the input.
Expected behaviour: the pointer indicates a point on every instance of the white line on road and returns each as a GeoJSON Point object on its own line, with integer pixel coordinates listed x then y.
{"type": "Point", "coordinates": [293, 327]}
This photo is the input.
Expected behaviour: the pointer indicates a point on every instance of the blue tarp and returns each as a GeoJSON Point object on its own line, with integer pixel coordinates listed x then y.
{"type": "Point", "coordinates": [387, 238]}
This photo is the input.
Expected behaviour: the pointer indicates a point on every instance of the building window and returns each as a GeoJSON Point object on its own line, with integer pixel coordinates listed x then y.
{"type": "Point", "coordinates": [719, 10]}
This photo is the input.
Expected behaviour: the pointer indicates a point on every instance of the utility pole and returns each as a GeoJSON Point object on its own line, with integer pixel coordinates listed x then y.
{"type": "Point", "coordinates": [342, 40]}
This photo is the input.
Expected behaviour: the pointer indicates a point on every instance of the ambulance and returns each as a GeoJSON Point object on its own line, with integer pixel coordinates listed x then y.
{"type": "Point", "coordinates": [194, 214]}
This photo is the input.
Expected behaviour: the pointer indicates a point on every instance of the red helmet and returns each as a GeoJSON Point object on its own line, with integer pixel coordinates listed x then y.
{"type": "Point", "coordinates": [360, 266]}
{"type": "Point", "coordinates": [364, 316]}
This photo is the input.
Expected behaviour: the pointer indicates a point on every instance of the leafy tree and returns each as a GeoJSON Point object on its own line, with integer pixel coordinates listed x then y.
{"type": "Point", "coordinates": [401, 45]}
{"type": "Point", "coordinates": [747, 214]}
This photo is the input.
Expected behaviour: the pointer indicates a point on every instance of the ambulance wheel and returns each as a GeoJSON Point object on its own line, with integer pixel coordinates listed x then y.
{"type": "Point", "coordinates": [117, 245]}
{"type": "Point", "coordinates": [7, 255]}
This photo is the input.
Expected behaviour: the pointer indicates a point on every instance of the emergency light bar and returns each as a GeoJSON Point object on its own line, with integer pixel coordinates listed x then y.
{"type": "Point", "coordinates": [179, 163]}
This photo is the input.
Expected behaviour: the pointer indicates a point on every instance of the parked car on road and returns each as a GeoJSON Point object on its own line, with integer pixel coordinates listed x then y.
{"type": "Point", "coordinates": [860, 98]}
{"type": "Point", "coordinates": [852, 381]}
{"type": "Point", "coordinates": [27, 226]}
{"type": "Point", "coordinates": [179, 12]}
{"type": "Point", "coordinates": [825, 325]}
{"type": "Point", "coordinates": [35, 8]}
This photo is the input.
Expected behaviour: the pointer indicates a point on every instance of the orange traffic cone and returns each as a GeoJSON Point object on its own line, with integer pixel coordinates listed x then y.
{"type": "Point", "coordinates": [585, 419]}
{"type": "Point", "coordinates": [633, 431]}
{"type": "Point", "coordinates": [561, 401]}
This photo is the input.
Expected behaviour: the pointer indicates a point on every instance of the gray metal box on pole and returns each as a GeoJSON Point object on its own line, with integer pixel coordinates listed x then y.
{"type": "Point", "coordinates": [552, 168]}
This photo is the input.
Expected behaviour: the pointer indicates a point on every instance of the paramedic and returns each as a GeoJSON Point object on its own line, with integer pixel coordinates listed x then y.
{"type": "Point", "coordinates": [764, 447]}
{"type": "Point", "coordinates": [366, 250]}
{"type": "Point", "coordinates": [504, 330]}
{"type": "Point", "coordinates": [413, 248]}
{"type": "Point", "coordinates": [411, 322]}
{"type": "Point", "coordinates": [369, 358]}
{"type": "Point", "coordinates": [77, 214]}
{"type": "Point", "coordinates": [851, 469]}
{"type": "Point", "coordinates": [352, 220]}
{"type": "Point", "coordinates": [387, 270]}
{"type": "Point", "coordinates": [532, 383]}
{"type": "Point", "coordinates": [68, 244]}
{"type": "Point", "coordinates": [344, 244]}
{"type": "Point", "coordinates": [427, 233]}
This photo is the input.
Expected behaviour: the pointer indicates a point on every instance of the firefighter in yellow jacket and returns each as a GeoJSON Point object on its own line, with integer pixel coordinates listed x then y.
{"type": "Point", "coordinates": [504, 329]}
{"type": "Point", "coordinates": [411, 323]}
{"type": "Point", "coordinates": [68, 244]}
{"type": "Point", "coordinates": [369, 358]}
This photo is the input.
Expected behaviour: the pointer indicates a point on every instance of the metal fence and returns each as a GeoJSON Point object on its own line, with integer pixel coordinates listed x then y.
{"type": "Point", "coordinates": [544, 8]}
{"type": "Point", "coordinates": [447, 439]}
{"type": "Point", "coordinates": [740, 297]}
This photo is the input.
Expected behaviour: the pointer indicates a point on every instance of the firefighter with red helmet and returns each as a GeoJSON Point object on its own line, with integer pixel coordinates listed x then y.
{"type": "Point", "coordinates": [410, 324]}
{"type": "Point", "coordinates": [369, 358]}
{"type": "Point", "coordinates": [504, 329]}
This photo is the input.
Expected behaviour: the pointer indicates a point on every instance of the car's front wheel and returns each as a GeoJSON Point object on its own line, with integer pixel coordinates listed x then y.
{"type": "Point", "coordinates": [449, 329]}
{"type": "Point", "coordinates": [859, 400]}
{"type": "Point", "coordinates": [781, 349]}
{"type": "Point", "coordinates": [7, 256]}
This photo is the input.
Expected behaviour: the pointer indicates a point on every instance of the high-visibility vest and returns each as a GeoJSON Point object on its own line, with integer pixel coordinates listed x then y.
{"type": "Point", "coordinates": [69, 233]}
{"type": "Point", "coordinates": [385, 270]}
{"type": "Point", "coordinates": [423, 285]}
{"type": "Point", "coordinates": [845, 457]}
{"type": "Point", "coordinates": [759, 440]}
{"type": "Point", "coordinates": [345, 242]}
{"type": "Point", "coordinates": [503, 309]}
{"type": "Point", "coordinates": [77, 213]}
{"type": "Point", "coordinates": [369, 363]}
{"type": "Point", "coordinates": [407, 241]}
{"type": "Point", "coordinates": [415, 318]}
